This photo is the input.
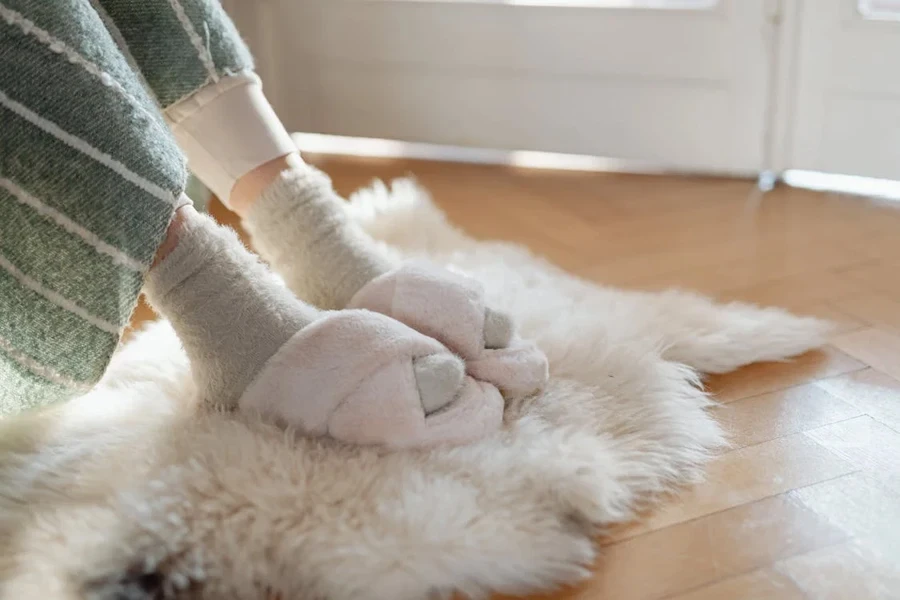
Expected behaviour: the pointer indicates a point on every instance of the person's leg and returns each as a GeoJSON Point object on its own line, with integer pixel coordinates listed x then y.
{"type": "Point", "coordinates": [233, 315]}
{"type": "Point", "coordinates": [90, 179]}
{"type": "Point", "coordinates": [201, 73]}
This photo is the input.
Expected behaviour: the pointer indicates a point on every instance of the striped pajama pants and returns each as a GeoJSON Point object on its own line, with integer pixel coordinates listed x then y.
{"type": "Point", "coordinates": [90, 175]}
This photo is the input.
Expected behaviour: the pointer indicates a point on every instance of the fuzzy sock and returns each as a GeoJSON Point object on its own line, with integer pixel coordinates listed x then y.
{"type": "Point", "coordinates": [301, 228]}
{"type": "Point", "coordinates": [232, 315]}
{"type": "Point", "coordinates": [229, 311]}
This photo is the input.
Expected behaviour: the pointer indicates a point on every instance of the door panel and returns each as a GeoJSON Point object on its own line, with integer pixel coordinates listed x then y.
{"type": "Point", "coordinates": [685, 87]}
{"type": "Point", "coordinates": [847, 111]}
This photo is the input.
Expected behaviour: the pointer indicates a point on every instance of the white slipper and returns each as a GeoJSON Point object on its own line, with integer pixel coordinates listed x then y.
{"type": "Point", "coordinates": [350, 375]}
{"type": "Point", "coordinates": [451, 309]}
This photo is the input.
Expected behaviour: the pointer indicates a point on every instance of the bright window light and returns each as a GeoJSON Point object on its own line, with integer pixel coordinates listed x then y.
{"type": "Point", "coordinates": [845, 184]}
{"type": "Point", "coordinates": [648, 4]}
{"type": "Point", "coordinates": [880, 9]}
{"type": "Point", "coordinates": [378, 148]}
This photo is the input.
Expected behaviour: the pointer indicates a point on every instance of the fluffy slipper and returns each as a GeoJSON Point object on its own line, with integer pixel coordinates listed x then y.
{"type": "Point", "coordinates": [451, 309]}
{"type": "Point", "coordinates": [354, 375]}
{"type": "Point", "coordinates": [518, 370]}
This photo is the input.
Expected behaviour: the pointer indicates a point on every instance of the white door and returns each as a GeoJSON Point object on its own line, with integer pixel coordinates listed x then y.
{"type": "Point", "coordinates": [846, 116]}
{"type": "Point", "coordinates": [681, 83]}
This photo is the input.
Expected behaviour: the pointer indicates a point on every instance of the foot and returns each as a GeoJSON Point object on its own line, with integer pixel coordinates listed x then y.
{"type": "Point", "coordinates": [451, 308]}
{"type": "Point", "coordinates": [355, 375]}
{"type": "Point", "coordinates": [376, 381]}
{"type": "Point", "coordinates": [299, 225]}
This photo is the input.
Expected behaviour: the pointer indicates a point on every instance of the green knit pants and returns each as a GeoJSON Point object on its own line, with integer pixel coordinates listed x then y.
{"type": "Point", "coordinates": [90, 175]}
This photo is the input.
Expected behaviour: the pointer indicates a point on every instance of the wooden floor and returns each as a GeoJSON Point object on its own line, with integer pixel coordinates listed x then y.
{"type": "Point", "coordinates": [807, 504]}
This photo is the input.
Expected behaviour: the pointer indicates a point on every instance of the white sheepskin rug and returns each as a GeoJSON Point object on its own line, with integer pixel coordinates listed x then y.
{"type": "Point", "coordinates": [133, 492]}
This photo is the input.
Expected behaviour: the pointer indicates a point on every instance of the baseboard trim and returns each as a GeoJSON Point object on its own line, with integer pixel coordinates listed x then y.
{"type": "Point", "coordinates": [316, 143]}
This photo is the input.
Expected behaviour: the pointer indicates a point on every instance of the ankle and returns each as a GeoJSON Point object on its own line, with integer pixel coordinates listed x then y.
{"type": "Point", "coordinates": [172, 233]}
{"type": "Point", "coordinates": [250, 187]}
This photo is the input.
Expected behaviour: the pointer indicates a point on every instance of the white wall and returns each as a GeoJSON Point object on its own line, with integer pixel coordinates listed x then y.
{"type": "Point", "coordinates": [744, 86]}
